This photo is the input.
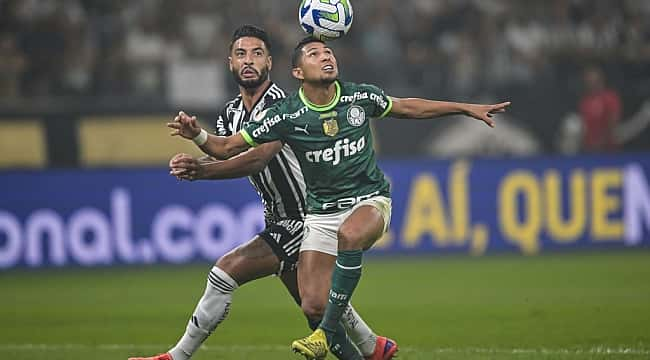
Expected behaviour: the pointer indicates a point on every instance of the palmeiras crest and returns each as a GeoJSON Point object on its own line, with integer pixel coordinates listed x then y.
{"type": "Point", "coordinates": [356, 115]}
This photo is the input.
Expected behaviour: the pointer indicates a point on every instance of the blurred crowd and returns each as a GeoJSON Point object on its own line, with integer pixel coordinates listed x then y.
{"type": "Point", "coordinates": [532, 52]}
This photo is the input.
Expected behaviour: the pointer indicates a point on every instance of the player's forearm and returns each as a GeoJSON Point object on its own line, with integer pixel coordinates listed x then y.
{"type": "Point", "coordinates": [220, 147]}
{"type": "Point", "coordinates": [242, 165]}
{"type": "Point", "coordinates": [416, 108]}
{"type": "Point", "coordinates": [206, 159]}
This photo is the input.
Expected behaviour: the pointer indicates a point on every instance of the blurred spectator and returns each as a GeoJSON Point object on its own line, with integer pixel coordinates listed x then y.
{"type": "Point", "coordinates": [12, 64]}
{"type": "Point", "coordinates": [568, 140]}
{"type": "Point", "coordinates": [79, 54]}
{"type": "Point", "coordinates": [146, 52]}
{"type": "Point", "coordinates": [145, 48]}
{"type": "Point", "coordinates": [526, 38]}
{"type": "Point", "coordinates": [600, 111]}
{"type": "Point", "coordinates": [42, 40]}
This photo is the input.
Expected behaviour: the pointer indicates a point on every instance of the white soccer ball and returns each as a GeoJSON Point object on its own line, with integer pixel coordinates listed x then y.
{"type": "Point", "coordinates": [325, 19]}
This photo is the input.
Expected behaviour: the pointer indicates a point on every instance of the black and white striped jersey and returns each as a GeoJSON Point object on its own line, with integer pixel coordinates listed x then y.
{"type": "Point", "coordinates": [280, 184]}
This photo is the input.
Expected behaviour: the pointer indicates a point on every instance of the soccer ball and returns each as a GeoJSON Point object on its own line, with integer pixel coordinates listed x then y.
{"type": "Point", "coordinates": [325, 19]}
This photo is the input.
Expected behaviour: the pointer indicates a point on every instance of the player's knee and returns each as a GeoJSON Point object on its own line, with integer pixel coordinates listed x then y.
{"type": "Point", "coordinates": [312, 308]}
{"type": "Point", "coordinates": [229, 262]}
{"type": "Point", "coordinates": [349, 238]}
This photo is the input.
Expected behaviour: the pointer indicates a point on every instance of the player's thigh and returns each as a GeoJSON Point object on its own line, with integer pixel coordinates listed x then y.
{"type": "Point", "coordinates": [364, 226]}
{"type": "Point", "coordinates": [252, 260]}
{"type": "Point", "coordinates": [314, 280]}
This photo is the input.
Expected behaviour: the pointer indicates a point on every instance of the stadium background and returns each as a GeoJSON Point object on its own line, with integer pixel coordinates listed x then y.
{"type": "Point", "coordinates": [516, 242]}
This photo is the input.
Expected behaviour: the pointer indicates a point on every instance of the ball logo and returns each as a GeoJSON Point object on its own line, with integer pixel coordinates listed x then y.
{"type": "Point", "coordinates": [356, 115]}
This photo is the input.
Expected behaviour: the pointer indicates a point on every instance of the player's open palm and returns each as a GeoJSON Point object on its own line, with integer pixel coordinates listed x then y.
{"type": "Point", "coordinates": [185, 126]}
{"type": "Point", "coordinates": [486, 112]}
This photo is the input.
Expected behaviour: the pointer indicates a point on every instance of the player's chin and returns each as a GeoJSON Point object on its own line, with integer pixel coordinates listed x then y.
{"type": "Point", "coordinates": [249, 83]}
{"type": "Point", "coordinates": [329, 78]}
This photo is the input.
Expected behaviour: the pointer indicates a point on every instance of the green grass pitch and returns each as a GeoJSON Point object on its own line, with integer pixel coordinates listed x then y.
{"type": "Point", "coordinates": [563, 306]}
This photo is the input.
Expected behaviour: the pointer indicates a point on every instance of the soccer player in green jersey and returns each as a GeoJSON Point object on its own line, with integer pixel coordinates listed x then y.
{"type": "Point", "coordinates": [327, 125]}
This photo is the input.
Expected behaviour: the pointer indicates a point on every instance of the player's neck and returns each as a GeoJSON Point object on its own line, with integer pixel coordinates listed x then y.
{"type": "Point", "coordinates": [319, 94]}
{"type": "Point", "coordinates": [250, 96]}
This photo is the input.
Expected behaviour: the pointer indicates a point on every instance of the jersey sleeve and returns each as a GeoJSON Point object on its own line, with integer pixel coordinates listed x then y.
{"type": "Point", "coordinates": [378, 104]}
{"type": "Point", "coordinates": [221, 125]}
{"type": "Point", "coordinates": [268, 126]}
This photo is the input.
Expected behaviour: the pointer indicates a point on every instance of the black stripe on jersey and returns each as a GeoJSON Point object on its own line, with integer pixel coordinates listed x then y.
{"type": "Point", "coordinates": [266, 181]}
{"type": "Point", "coordinates": [298, 196]}
{"type": "Point", "coordinates": [268, 176]}
{"type": "Point", "coordinates": [291, 206]}
{"type": "Point", "coordinates": [264, 191]}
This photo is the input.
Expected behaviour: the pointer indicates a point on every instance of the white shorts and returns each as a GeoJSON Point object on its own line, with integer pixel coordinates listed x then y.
{"type": "Point", "coordinates": [321, 229]}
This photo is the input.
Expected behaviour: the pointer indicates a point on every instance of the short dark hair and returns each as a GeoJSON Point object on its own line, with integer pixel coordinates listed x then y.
{"type": "Point", "coordinates": [251, 31]}
{"type": "Point", "coordinates": [297, 51]}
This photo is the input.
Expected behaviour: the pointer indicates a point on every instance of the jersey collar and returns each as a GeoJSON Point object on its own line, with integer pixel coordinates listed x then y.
{"type": "Point", "coordinates": [263, 97]}
{"type": "Point", "coordinates": [321, 108]}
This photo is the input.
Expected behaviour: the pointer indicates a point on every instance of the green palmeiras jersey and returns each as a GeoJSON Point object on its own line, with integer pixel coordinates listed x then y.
{"type": "Point", "coordinates": [333, 143]}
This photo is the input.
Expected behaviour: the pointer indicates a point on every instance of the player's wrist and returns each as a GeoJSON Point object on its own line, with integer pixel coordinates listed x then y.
{"type": "Point", "coordinates": [201, 138]}
{"type": "Point", "coordinates": [462, 108]}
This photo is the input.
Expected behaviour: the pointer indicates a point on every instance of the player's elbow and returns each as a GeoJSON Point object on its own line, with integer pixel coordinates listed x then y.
{"type": "Point", "coordinates": [407, 109]}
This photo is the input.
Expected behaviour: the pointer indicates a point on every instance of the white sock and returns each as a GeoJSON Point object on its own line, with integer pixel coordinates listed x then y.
{"type": "Point", "coordinates": [211, 310]}
{"type": "Point", "coordinates": [359, 332]}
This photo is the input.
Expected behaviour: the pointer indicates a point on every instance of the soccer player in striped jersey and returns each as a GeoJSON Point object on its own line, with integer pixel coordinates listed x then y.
{"type": "Point", "coordinates": [276, 175]}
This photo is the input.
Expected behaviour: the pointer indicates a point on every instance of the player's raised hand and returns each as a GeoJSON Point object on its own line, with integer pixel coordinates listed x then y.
{"type": "Point", "coordinates": [486, 112]}
{"type": "Point", "coordinates": [185, 126]}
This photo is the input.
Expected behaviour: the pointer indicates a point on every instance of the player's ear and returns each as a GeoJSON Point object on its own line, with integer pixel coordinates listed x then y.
{"type": "Point", "coordinates": [297, 73]}
{"type": "Point", "coordinates": [270, 61]}
{"type": "Point", "coordinates": [230, 63]}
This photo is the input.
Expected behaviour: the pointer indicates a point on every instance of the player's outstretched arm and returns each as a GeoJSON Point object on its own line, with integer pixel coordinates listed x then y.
{"type": "Point", "coordinates": [416, 108]}
{"type": "Point", "coordinates": [221, 147]}
{"type": "Point", "coordinates": [185, 167]}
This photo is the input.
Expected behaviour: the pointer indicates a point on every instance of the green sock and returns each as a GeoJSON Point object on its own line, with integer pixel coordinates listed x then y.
{"type": "Point", "coordinates": [345, 277]}
{"type": "Point", "coordinates": [342, 347]}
